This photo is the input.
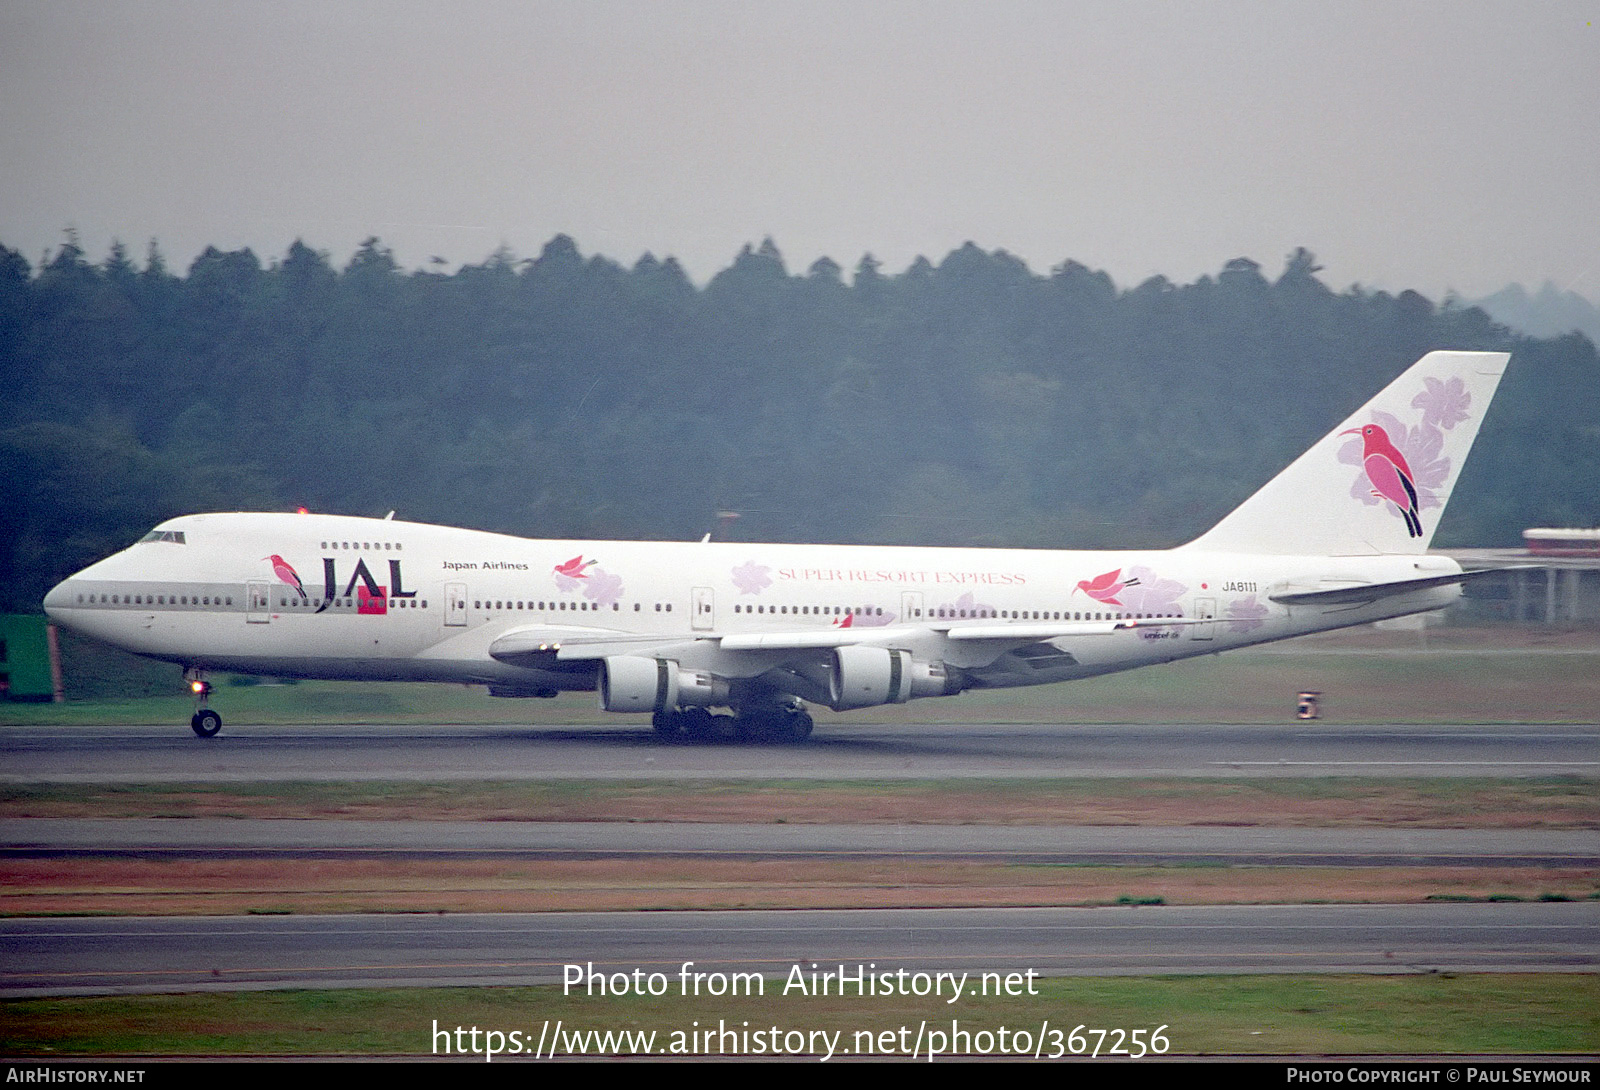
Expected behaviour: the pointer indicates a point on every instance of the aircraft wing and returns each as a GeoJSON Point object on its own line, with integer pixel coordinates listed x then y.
{"type": "Point", "coordinates": [1032, 633]}
{"type": "Point", "coordinates": [531, 644]}
{"type": "Point", "coordinates": [579, 643]}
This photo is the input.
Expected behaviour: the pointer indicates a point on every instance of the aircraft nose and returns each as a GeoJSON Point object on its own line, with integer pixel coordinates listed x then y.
{"type": "Point", "coordinates": [59, 597]}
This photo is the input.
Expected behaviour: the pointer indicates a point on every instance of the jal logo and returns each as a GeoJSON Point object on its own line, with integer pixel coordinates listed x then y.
{"type": "Point", "coordinates": [286, 574]}
{"type": "Point", "coordinates": [371, 596]}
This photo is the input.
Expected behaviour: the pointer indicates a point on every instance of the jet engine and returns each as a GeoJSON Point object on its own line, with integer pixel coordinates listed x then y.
{"type": "Point", "coordinates": [633, 683]}
{"type": "Point", "coordinates": [865, 676]}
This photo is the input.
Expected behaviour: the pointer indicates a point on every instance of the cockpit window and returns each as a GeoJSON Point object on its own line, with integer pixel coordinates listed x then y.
{"type": "Point", "coordinates": [175, 537]}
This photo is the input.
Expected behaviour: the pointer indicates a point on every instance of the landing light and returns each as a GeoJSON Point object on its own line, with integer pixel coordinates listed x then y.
{"type": "Point", "coordinates": [201, 688]}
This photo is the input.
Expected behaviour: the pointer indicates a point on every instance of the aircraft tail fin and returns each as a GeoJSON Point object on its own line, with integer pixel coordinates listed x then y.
{"type": "Point", "coordinates": [1379, 481]}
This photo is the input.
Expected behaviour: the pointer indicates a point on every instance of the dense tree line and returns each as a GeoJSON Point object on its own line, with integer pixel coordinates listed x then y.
{"type": "Point", "coordinates": [972, 401]}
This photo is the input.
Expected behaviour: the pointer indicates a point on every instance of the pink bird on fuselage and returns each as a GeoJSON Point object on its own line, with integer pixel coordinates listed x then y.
{"type": "Point", "coordinates": [1105, 588]}
{"type": "Point", "coordinates": [573, 569]}
{"type": "Point", "coordinates": [1389, 473]}
{"type": "Point", "coordinates": [282, 569]}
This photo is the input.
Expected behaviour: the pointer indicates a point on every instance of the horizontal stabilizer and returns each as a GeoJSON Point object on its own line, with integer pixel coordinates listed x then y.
{"type": "Point", "coordinates": [1372, 592]}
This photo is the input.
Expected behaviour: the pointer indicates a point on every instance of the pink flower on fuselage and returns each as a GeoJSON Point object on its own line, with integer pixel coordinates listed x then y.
{"type": "Point", "coordinates": [602, 588]}
{"type": "Point", "coordinates": [752, 578]}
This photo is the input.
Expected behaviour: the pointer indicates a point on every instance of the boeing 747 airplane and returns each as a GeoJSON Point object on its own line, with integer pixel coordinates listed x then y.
{"type": "Point", "coordinates": [675, 630]}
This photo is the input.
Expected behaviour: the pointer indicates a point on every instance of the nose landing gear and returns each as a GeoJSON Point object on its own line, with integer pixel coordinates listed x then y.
{"type": "Point", "coordinates": [204, 722]}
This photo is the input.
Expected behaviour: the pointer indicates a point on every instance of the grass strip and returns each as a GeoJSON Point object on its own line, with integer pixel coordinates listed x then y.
{"type": "Point", "coordinates": [1203, 1015]}
{"type": "Point", "coordinates": [82, 886]}
{"type": "Point", "coordinates": [1566, 802]}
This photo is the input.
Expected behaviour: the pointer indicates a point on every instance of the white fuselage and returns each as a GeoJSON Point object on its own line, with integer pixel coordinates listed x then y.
{"type": "Point", "coordinates": [1337, 538]}
{"type": "Point", "coordinates": [380, 599]}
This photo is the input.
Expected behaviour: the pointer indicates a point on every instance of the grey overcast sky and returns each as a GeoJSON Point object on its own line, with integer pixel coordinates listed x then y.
{"type": "Point", "coordinates": [1427, 145]}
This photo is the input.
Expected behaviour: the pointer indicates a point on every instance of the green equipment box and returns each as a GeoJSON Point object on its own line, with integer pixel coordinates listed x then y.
{"type": "Point", "coordinates": [24, 658]}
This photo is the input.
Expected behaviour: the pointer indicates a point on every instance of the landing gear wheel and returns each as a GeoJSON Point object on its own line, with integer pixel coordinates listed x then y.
{"type": "Point", "coordinates": [668, 725]}
{"type": "Point", "coordinates": [700, 723]}
{"type": "Point", "coordinates": [799, 724]}
{"type": "Point", "coordinates": [780, 725]}
{"type": "Point", "coordinates": [206, 723]}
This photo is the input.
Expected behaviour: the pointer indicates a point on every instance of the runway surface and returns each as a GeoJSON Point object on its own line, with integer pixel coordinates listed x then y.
{"type": "Point", "coordinates": [1055, 844]}
{"type": "Point", "coordinates": [103, 955]}
{"type": "Point", "coordinates": [75, 956]}
{"type": "Point", "coordinates": [907, 751]}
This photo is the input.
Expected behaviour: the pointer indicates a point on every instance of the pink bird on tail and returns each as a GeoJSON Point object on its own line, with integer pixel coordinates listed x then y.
{"type": "Point", "coordinates": [282, 569]}
{"type": "Point", "coordinates": [1389, 473]}
{"type": "Point", "coordinates": [1105, 588]}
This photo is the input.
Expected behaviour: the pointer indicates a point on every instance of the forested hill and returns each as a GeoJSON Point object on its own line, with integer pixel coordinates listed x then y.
{"type": "Point", "coordinates": [969, 401]}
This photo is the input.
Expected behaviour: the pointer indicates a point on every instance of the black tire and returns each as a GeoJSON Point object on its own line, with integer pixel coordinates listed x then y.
{"type": "Point", "coordinates": [700, 723]}
{"type": "Point", "coordinates": [206, 723]}
{"type": "Point", "coordinates": [799, 724]}
{"type": "Point", "coordinates": [668, 725]}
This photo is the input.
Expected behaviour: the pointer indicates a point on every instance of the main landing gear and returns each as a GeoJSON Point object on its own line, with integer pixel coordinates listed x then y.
{"type": "Point", "coordinates": [204, 722]}
{"type": "Point", "coordinates": [782, 722]}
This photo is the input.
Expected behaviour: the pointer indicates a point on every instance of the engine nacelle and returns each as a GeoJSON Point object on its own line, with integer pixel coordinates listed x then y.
{"type": "Point", "coordinates": [866, 676]}
{"type": "Point", "coordinates": [633, 683]}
